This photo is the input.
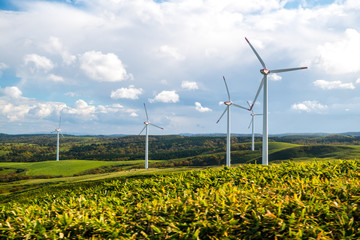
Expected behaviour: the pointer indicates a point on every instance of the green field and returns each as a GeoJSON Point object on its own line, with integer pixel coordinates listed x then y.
{"type": "Point", "coordinates": [307, 200]}
{"type": "Point", "coordinates": [64, 168]}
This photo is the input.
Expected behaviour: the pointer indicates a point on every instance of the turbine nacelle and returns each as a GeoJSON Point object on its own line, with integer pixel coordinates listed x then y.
{"type": "Point", "coordinates": [58, 130]}
{"type": "Point", "coordinates": [228, 103]}
{"type": "Point", "coordinates": [146, 122]}
{"type": "Point", "coordinates": [265, 71]}
{"type": "Point", "coordinates": [252, 114]}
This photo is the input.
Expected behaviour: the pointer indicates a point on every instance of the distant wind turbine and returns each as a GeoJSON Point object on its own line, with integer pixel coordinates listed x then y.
{"type": "Point", "coordinates": [227, 109]}
{"type": "Point", "coordinates": [252, 125]}
{"type": "Point", "coordinates": [147, 123]}
{"type": "Point", "coordinates": [58, 132]}
{"type": "Point", "coordinates": [264, 82]}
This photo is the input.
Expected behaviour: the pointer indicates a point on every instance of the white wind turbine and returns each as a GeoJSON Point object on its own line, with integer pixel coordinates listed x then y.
{"type": "Point", "coordinates": [58, 132]}
{"type": "Point", "coordinates": [147, 123]}
{"type": "Point", "coordinates": [264, 82]}
{"type": "Point", "coordinates": [227, 109]}
{"type": "Point", "coordinates": [252, 125]}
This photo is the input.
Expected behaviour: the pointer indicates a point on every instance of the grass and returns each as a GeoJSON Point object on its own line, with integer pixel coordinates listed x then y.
{"type": "Point", "coordinates": [64, 168]}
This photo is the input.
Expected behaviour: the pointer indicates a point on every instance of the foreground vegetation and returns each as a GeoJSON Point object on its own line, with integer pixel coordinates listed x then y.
{"type": "Point", "coordinates": [313, 200]}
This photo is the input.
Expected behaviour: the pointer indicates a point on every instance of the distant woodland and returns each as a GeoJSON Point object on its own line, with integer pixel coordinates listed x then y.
{"type": "Point", "coordinates": [34, 148]}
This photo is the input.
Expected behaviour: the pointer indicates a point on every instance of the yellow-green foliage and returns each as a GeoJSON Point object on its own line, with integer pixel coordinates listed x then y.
{"type": "Point", "coordinates": [317, 200]}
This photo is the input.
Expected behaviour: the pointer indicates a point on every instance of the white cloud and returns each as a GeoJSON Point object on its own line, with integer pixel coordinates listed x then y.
{"type": "Point", "coordinates": [37, 62]}
{"type": "Point", "coordinates": [13, 92]}
{"type": "Point", "coordinates": [134, 114]}
{"type": "Point", "coordinates": [275, 77]}
{"type": "Point", "coordinates": [358, 81]}
{"type": "Point", "coordinates": [309, 106]}
{"type": "Point", "coordinates": [129, 93]}
{"type": "Point", "coordinates": [328, 85]}
{"type": "Point", "coordinates": [14, 112]}
{"type": "Point", "coordinates": [55, 46]}
{"type": "Point", "coordinates": [166, 97]}
{"type": "Point", "coordinates": [103, 67]}
{"type": "Point", "coordinates": [189, 85]}
{"type": "Point", "coordinates": [55, 78]}
{"type": "Point", "coordinates": [167, 51]}
{"type": "Point", "coordinates": [200, 108]}
{"type": "Point", "coordinates": [341, 56]}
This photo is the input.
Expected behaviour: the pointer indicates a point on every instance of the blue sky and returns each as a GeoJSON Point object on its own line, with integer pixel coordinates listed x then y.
{"type": "Point", "coordinates": [96, 62]}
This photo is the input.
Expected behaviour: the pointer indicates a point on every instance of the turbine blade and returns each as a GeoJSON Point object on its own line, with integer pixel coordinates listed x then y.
{"type": "Point", "coordinates": [142, 129]}
{"type": "Point", "coordinates": [250, 124]}
{"type": "Point", "coordinates": [287, 70]}
{"type": "Point", "coordinates": [257, 94]}
{"type": "Point", "coordinates": [227, 107]}
{"type": "Point", "coordinates": [258, 114]}
{"type": "Point", "coordinates": [227, 89]}
{"type": "Point", "coordinates": [257, 55]}
{"type": "Point", "coordinates": [240, 106]}
{"type": "Point", "coordinates": [156, 126]}
{"type": "Point", "coordinates": [62, 135]}
{"type": "Point", "coordinates": [147, 117]}
{"type": "Point", "coordinates": [248, 103]}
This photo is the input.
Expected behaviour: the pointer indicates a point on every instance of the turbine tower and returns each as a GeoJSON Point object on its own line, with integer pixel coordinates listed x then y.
{"type": "Point", "coordinates": [252, 125]}
{"type": "Point", "coordinates": [147, 123]}
{"type": "Point", "coordinates": [227, 109]}
{"type": "Point", "coordinates": [264, 83]}
{"type": "Point", "coordinates": [58, 132]}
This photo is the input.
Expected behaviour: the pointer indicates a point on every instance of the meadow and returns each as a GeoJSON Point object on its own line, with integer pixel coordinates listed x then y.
{"type": "Point", "coordinates": [303, 200]}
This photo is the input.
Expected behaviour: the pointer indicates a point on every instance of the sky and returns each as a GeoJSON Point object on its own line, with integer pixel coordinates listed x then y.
{"type": "Point", "coordinates": [96, 62]}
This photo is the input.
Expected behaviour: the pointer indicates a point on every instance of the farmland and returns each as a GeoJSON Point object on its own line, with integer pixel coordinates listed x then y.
{"type": "Point", "coordinates": [307, 200]}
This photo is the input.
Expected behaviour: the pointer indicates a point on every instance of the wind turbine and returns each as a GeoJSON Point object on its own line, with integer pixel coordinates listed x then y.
{"type": "Point", "coordinates": [264, 83]}
{"type": "Point", "coordinates": [58, 132]}
{"type": "Point", "coordinates": [227, 109]}
{"type": "Point", "coordinates": [147, 123]}
{"type": "Point", "coordinates": [252, 125]}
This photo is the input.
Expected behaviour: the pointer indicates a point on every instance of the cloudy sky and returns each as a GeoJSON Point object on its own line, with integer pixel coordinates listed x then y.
{"type": "Point", "coordinates": [95, 62]}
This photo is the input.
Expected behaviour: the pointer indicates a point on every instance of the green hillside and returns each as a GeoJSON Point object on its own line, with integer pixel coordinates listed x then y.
{"type": "Point", "coordinates": [312, 200]}
{"type": "Point", "coordinates": [64, 168]}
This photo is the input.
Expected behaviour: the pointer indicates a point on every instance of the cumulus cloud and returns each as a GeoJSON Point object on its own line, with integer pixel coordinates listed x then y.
{"type": "Point", "coordinates": [103, 67]}
{"type": "Point", "coordinates": [37, 62]}
{"type": "Point", "coordinates": [358, 81]}
{"type": "Point", "coordinates": [13, 92]}
{"type": "Point", "coordinates": [129, 93]}
{"type": "Point", "coordinates": [189, 85]}
{"type": "Point", "coordinates": [166, 97]}
{"type": "Point", "coordinates": [341, 56]}
{"type": "Point", "coordinates": [328, 85]}
{"type": "Point", "coordinates": [275, 77]}
{"type": "Point", "coordinates": [167, 51]}
{"type": "Point", "coordinates": [309, 106]}
{"type": "Point", "coordinates": [200, 108]}
{"type": "Point", "coordinates": [14, 112]}
{"type": "Point", "coordinates": [134, 114]}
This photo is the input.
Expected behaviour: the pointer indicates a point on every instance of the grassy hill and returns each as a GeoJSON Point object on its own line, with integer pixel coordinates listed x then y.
{"type": "Point", "coordinates": [311, 200]}
{"type": "Point", "coordinates": [65, 168]}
